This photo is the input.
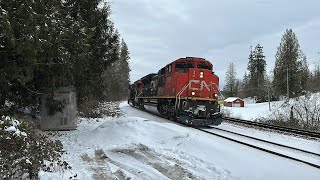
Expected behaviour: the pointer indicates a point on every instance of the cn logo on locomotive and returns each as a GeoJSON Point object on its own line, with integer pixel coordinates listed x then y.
{"type": "Point", "coordinates": [203, 84]}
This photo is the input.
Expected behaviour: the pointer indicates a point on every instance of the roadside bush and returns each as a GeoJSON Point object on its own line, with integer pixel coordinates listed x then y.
{"type": "Point", "coordinates": [94, 109]}
{"type": "Point", "coordinates": [301, 112]}
{"type": "Point", "coordinates": [24, 151]}
{"type": "Point", "coordinates": [88, 108]}
{"type": "Point", "coordinates": [225, 112]}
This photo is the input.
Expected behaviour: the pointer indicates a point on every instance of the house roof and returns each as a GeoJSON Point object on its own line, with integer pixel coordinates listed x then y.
{"type": "Point", "coordinates": [231, 99]}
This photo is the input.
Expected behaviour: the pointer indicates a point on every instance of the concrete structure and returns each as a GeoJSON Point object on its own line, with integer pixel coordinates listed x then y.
{"type": "Point", "coordinates": [234, 102]}
{"type": "Point", "coordinates": [65, 120]}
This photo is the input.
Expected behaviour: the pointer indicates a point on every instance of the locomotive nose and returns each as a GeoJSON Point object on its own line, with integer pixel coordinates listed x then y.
{"type": "Point", "coordinates": [200, 85]}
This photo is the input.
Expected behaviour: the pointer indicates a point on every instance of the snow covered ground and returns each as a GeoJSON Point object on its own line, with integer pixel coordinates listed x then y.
{"type": "Point", "coordinates": [139, 145]}
{"type": "Point", "coordinates": [251, 111]}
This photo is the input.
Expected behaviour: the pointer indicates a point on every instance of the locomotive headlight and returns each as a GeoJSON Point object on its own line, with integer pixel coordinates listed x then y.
{"type": "Point", "coordinates": [216, 95]}
{"type": "Point", "coordinates": [201, 74]}
{"type": "Point", "coordinates": [193, 93]}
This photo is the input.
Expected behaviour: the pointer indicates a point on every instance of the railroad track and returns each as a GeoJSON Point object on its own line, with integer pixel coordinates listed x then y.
{"type": "Point", "coordinates": [313, 154]}
{"type": "Point", "coordinates": [261, 140]}
{"type": "Point", "coordinates": [263, 125]}
{"type": "Point", "coordinates": [274, 127]}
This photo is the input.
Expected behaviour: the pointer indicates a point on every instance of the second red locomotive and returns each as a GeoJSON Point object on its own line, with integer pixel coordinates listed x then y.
{"type": "Point", "coordinates": [185, 90]}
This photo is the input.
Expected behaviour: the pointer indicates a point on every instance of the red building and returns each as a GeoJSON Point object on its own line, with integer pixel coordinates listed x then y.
{"type": "Point", "coordinates": [234, 102]}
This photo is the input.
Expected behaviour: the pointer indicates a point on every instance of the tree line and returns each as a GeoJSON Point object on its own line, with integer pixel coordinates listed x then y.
{"type": "Point", "coordinates": [45, 45]}
{"type": "Point", "coordinates": [291, 76]}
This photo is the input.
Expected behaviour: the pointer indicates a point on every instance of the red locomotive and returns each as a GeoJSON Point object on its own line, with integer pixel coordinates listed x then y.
{"type": "Point", "coordinates": [185, 90]}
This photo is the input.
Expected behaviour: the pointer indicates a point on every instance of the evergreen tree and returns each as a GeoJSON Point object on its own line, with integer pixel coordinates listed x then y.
{"type": "Point", "coordinates": [18, 51]}
{"type": "Point", "coordinates": [124, 68]}
{"type": "Point", "coordinates": [287, 66]}
{"type": "Point", "coordinates": [89, 82]}
{"type": "Point", "coordinates": [92, 50]}
{"type": "Point", "coordinates": [260, 65]}
{"type": "Point", "coordinates": [250, 83]}
{"type": "Point", "coordinates": [117, 78]}
{"type": "Point", "coordinates": [245, 88]}
{"type": "Point", "coordinates": [58, 43]}
{"type": "Point", "coordinates": [112, 76]}
{"type": "Point", "coordinates": [230, 86]}
{"type": "Point", "coordinates": [256, 77]}
{"type": "Point", "coordinates": [303, 70]}
{"type": "Point", "coordinates": [53, 66]}
{"type": "Point", "coordinates": [237, 87]}
{"type": "Point", "coordinates": [315, 79]}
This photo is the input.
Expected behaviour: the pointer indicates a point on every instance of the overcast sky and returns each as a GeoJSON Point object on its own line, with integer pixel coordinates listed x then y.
{"type": "Point", "coordinates": [160, 31]}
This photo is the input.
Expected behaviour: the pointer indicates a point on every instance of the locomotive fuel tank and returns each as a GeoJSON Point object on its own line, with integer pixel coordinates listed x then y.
{"type": "Point", "coordinates": [151, 105]}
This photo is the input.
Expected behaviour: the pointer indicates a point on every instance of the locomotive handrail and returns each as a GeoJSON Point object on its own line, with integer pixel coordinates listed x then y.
{"type": "Point", "coordinates": [214, 90]}
{"type": "Point", "coordinates": [188, 85]}
{"type": "Point", "coordinates": [211, 88]}
{"type": "Point", "coordinates": [179, 94]}
{"type": "Point", "coordinates": [177, 103]}
{"type": "Point", "coordinates": [219, 90]}
{"type": "Point", "coordinates": [136, 96]}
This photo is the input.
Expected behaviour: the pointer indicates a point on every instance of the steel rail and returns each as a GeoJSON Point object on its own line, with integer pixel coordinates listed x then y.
{"type": "Point", "coordinates": [265, 141]}
{"type": "Point", "coordinates": [275, 127]}
{"type": "Point", "coordinates": [260, 148]}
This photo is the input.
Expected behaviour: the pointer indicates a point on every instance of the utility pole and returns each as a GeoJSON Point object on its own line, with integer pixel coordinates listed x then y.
{"type": "Point", "coordinates": [318, 60]}
{"type": "Point", "coordinates": [287, 84]}
{"type": "Point", "coordinates": [268, 86]}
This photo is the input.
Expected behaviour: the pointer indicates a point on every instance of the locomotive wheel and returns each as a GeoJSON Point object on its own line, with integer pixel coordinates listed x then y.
{"type": "Point", "coordinates": [141, 105]}
{"type": "Point", "coordinates": [173, 117]}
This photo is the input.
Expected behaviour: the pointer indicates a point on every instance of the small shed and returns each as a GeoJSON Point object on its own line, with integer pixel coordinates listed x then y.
{"type": "Point", "coordinates": [234, 102]}
{"type": "Point", "coordinates": [65, 120]}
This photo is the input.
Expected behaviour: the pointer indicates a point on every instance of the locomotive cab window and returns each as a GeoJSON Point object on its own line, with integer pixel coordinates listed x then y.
{"type": "Point", "coordinates": [184, 65]}
{"type": "Point", "coordinates": [162, 71]}
{"type": "Point", "coordinates": [204, 66]}
{"type": "Point", "coordinates": [169, 68]}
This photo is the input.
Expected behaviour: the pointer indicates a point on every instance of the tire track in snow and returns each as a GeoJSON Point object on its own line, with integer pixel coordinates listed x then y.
{"type": "Point", "coordinates": [99, 164]}
{"type": "Point", "coordinates": [168, 167]}
{"type": "Point", "coordinates": [119, 174]}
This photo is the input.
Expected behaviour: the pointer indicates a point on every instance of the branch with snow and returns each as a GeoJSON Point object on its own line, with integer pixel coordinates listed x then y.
{"type": "Point", "coordinates": [24, 151]}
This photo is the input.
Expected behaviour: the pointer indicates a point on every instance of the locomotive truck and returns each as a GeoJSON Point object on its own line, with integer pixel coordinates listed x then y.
{"type": "Point", "coordinates": [186, 90]}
